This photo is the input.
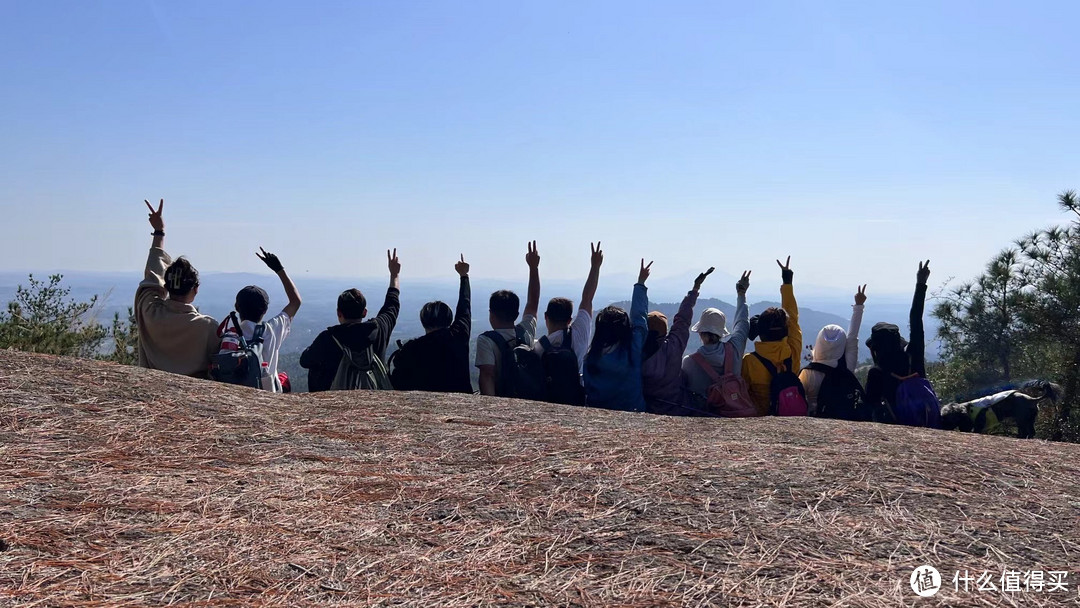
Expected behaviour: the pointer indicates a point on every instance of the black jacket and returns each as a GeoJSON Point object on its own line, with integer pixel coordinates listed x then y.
{"type": "Point", "coordinates": [881, 383]}
{"type": "Point", "coordinates": [438, 361]}
{"type": "Point", "coordinates": [321, 359]}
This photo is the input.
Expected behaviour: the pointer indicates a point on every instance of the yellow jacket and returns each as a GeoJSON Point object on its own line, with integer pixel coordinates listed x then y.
{"type": "Point", "coordinates": [755, 374]}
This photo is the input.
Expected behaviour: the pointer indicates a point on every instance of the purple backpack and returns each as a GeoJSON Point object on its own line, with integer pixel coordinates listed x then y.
{"type": "Point", "coordinates": [916, 403]}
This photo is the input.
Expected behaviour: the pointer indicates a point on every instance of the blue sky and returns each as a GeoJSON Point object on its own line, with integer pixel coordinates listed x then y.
{"type": "Point", "coordinates": [856, 137]}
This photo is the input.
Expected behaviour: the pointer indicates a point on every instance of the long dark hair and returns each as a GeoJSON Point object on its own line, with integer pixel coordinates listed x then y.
{"type": "Point", "coordinates": [612, 329]}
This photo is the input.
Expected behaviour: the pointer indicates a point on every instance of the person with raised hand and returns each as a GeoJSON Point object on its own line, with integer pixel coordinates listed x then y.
{"type": "Point", "coordinates": [720, 354]}
{"type": "Point", "coordinates": [897, 359]}
{"type": "Point", "coordinates": [562, 350]}
{"type": "Point", "coordinates": [173, 335]}
{"type": "Point", "coordinates": [836, 353]}
{"type": "Point", "coordinates": [661, 374]}
{"type": "Point", "coordinates": [780, 347]}
{"type": "Point", "coordinates": [613, 363]}
{"type": "Point", "coordinates": [365, 339]}
{"type": "Point", "coordinates": [496, 347]}
{"type": "Point", "coordinates": [438, 360]}
{"type": "Point", "coordinates": [251, 305]}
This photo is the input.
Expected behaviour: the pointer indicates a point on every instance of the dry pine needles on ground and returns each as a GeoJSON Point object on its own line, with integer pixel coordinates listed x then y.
{"type": "Point", "coordinates": [126, 487]}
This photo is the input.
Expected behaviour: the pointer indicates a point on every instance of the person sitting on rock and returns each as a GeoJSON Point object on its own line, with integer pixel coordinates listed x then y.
{"type": "Point", "coordinates": [613, 363]}
{"type": "Point", "coordinates": [324, 357]}
{"type": "Point", "coordinates": [439, 360]}
{"type": "Point", "coordinates": [833, 348]}
{"type": "Point", "coordinates": [718, 345]}
{"type": "Point", "coordinates": [895, 358]}
{"type": "Point", "coordinates": [494, 349]}
{"type": "Point", "coordinates": [173, 335]}
{"type": "Point", "coordinates": [252, 302]}
{"type": "Point", "coordinates": [780, 345]}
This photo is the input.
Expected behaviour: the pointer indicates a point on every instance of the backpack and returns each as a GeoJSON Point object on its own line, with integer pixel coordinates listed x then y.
{"type": "Point", "coordinates": [841, 395]}
{"type": "Point", "coordinates": [522, 371]}
{"type": "Point", "coordinates": [916, 403]}
{"type": "Point", "coordinates": [562, 378]}
{"type": "Point", "coordinates": [787, 397]}
{"type": "Point", "coordinates": [728, 395]}
{"type": "Point", "coordinates": [243, 365]}
{"type": "Point", "coordinates": [360, 370]}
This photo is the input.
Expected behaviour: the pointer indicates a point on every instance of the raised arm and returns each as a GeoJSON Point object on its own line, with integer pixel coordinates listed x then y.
{"type": "Point", "coordinates": [851, 349]}
{"type": "Point", "coordinates": [532, 303]}
{"type": "Point", "coordinates": [462, 324]}
{"type": "Point", "coordinates": [680, 325]}
{"type": "Point", "coordinates": [917, 346]}
{"type": "Point", "coordinates": [639, 304]}
{"type": "Point", "coordinates": [153, 283]}
{"type": "Point", "coordinates": [589, 292]}
{"type": "Point", "coordinates": [740, 327]}
{"type": "Point", "coordinates": [395, 268]}
{"type": "Point", "coordinates": [791, 307]}
{"type": "Point", "coordinates": [273, 263]}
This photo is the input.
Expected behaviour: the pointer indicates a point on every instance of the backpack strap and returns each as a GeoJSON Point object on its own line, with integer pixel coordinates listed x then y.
{"type": "Point", "coordinates": [821, 367]}
{"type": "Point", "coordinates": [236, 326]}
{"type": "Point", "coordinates": [769, 367]}
{"type": "Point", "coordinates": [729, 358]}
{"type": "Point", "coordinates": [704, 365]}
{"type": "Point", "coordinates": [497, 338]}
{"type": "Point", "coordinates": [545, 343]}
{"type": "Point", "coordinates": [505, 380]}
{"type": "Point", "coordinates": [345, 352]}
{"type": "Point", "coordinates": [257, 335]}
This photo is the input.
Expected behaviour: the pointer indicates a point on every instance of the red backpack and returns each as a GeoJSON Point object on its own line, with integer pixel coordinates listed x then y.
{"type": "Point", "coordinates": [728, 395]}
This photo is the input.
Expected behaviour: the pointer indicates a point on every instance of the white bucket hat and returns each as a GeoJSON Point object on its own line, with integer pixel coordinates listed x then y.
{"type": "Point", "coordinates": [712, 321]}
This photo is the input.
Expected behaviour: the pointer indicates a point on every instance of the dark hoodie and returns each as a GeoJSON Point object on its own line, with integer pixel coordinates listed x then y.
{"type": "Point", "coordinates": [321, 359]}
{"type": "Point", "coordinates": [893, 358]}
{"type": "Point", "coordinates": [438, 361]}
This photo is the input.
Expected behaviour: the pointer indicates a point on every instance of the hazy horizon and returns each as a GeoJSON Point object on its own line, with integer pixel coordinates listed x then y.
{"type": "Point", "coordinates": [857, 138]}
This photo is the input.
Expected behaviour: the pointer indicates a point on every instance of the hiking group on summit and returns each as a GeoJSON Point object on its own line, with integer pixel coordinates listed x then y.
{"type": "Point", "coordinates": [616, 359]}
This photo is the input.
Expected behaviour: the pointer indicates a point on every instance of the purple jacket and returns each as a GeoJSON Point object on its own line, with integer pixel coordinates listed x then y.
{"type": "Point", "coordinates": [662, 372]}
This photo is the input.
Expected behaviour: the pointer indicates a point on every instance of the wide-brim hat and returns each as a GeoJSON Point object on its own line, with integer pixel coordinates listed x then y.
{"type": "Point", "coordinates": [712, 321]}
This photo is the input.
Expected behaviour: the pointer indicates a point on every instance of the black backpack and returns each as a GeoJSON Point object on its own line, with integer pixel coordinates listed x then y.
{"type": "Point", "coordinates": [562, 378]}
{"type": "Point", "coordinates": [522, 374]}
{"type": "Point", "coordinates": [787, 397]}
{"type": "Point", "coordinates": [243, 364]}
{"type": "Point", "coordinates": [841, 395]}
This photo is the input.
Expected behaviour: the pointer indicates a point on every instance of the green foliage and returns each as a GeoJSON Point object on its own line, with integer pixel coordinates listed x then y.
{"type": "Point", "coordinates": [1020, 319]}
{"type": "Point", "coordinates": [43, 319]}
{"type": "Point", "coordinates": [125, 336]}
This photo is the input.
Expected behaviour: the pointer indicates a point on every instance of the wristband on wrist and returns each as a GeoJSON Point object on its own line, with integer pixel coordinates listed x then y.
{"type": "Point", "coordinates": [158, 233]}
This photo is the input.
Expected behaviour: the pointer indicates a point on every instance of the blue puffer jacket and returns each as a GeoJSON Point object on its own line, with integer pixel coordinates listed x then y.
{"type": "Point", "coordinates": [613, 381]}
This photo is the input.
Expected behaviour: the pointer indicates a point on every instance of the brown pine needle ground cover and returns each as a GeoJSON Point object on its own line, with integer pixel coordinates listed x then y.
{"type": "Point", "coordinates": [123, 487]}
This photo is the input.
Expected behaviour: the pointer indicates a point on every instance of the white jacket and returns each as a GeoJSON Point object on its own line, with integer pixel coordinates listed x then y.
{"type": "Point", "coordinates": [831, 344]}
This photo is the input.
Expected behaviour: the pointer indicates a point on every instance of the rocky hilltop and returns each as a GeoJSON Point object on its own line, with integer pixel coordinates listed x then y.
{"type": "Point", "coordinates": [127, 487]}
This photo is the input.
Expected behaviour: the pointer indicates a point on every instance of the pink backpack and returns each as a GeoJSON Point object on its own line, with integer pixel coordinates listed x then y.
{"type": "Point", "coordinates": [728, 395]}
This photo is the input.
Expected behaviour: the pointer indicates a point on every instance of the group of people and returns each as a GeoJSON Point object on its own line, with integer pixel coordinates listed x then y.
{"type": "Point", "coordinates": [615, 359]}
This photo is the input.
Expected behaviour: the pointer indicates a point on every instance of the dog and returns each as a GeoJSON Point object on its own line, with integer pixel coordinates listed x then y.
{"type": "Point", "coordinates": [984, 415]}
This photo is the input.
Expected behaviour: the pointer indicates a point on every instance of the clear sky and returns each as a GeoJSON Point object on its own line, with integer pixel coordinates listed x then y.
{"type": "Point", "coordinates": [857, 137]}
